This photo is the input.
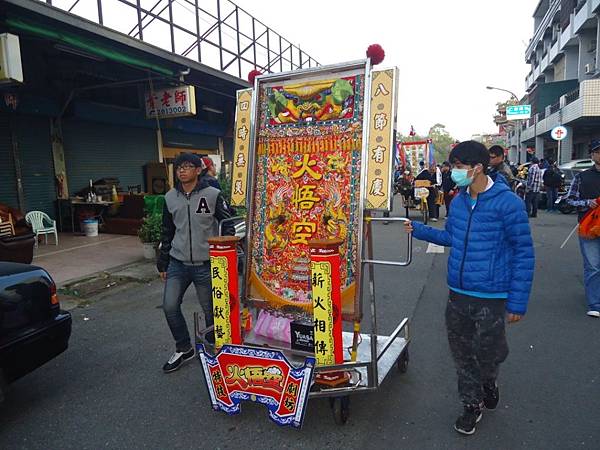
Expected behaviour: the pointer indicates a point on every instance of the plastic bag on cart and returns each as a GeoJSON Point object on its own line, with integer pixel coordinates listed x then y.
{"type": "Point", "coordinates": [273, 327]}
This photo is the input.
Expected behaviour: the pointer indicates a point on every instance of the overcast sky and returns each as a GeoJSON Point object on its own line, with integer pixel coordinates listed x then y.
{"type": "Point", "coordinates": [447, 51]}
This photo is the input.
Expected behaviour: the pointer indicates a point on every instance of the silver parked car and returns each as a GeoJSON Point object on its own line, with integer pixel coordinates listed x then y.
{"type": "Point", "coordinates": [573, 167]}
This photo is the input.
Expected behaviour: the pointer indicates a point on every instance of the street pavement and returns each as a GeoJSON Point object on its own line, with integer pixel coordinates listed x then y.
{"type": "Point", "coordinates": [107, 390]}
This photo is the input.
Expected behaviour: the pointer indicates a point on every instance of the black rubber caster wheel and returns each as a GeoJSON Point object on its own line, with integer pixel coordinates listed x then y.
{"type": "Point", "coordinates": [340, 407]}
{"type": "Point", "coordinates": [403, 361]}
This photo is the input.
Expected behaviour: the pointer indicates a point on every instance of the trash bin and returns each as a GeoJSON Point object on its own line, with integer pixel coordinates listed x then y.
{"type": "Point", "coordinates": [90, 227]}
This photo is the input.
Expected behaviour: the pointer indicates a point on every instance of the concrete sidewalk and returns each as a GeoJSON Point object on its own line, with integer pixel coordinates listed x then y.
{"type": "Point", "coordinates": [77, 257]}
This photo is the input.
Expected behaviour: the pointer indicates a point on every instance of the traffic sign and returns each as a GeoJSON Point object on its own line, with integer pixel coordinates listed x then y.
{"type": "Point", "coordinates": [518, 112]}
{"type": "Point", "coordinates": [559, 133]}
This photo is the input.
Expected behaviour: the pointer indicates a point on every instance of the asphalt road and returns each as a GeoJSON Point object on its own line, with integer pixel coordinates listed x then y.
{"type": "Point", "coordinates": [107, 390]}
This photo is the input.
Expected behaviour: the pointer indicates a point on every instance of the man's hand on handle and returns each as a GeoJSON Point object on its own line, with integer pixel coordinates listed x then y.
{"type": "Point", "coordinates": [408, 226]}
{"type": "Point", "coordinates": [593, 204]}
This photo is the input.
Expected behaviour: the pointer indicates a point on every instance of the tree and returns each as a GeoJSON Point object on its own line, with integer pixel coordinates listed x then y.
{"type": "Point", "coordinates": [442, 142]}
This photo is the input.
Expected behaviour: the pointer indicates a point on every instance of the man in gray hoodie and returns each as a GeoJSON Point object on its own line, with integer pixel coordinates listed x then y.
{"type": "Point", "coordinates": [191, 215]}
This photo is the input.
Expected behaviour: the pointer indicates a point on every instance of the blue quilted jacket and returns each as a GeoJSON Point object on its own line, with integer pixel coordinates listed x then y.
{"type": "Point", "coordinates": [491, 246]}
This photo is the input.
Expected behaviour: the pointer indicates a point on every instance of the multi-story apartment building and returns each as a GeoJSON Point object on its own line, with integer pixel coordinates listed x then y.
{"type": "Point", "coordinates": [563, 85]}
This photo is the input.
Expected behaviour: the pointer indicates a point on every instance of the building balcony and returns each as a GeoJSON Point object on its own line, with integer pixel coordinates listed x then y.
{"type": "Point", "coordinates": [567, 37]}
{"type": "Point", "coordinates": [541, 29]}
{"type": "Point", "coordinates": [595, 5]}
{"type": "Point", "coordinates": [544, 62]}
{"type": "Point", "coordinates": [536, 72]}
{"type": "Point", "coordinates": [583, 16]}
{"type": "Point", "coordinates": [579, 103]}
{"type": "Point", "coordinates": [554, 51]}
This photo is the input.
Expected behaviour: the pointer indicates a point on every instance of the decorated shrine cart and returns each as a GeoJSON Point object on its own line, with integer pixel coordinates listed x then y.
{"type": "Point", "coordinates": [313, 160]}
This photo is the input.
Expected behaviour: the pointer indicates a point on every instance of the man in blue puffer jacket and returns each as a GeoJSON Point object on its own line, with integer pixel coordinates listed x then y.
{"type": "Point", "coordinates": [490, 271]}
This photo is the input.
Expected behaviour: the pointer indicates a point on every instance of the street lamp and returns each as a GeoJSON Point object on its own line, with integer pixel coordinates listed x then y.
{"type": "Point", "coordinates": [518, 121]}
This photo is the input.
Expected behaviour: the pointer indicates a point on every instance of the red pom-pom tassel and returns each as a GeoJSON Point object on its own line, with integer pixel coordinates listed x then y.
{"type": "Point", "coordinates": [375, 53]}
{"type": "Point", "coordinates": [253, 74]}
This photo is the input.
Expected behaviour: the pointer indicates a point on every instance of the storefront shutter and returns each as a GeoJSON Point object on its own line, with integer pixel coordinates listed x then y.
{"type": "Point", "coordinates": [96, 150]}
{"type": "Point", "coordinates": [8, 184]}
{"type": "Point", "coordinates": [37, 167]}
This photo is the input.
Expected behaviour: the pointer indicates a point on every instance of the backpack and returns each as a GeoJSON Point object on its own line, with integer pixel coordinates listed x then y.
{"type": "Point", "coordinates": [552, 178]}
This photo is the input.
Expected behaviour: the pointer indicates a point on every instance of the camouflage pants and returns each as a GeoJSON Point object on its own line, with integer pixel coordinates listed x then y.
{"type": "Point", "coordinates": [477, 339]}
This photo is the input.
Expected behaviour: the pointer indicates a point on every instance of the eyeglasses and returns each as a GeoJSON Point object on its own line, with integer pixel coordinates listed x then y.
{"type": "Point", "coordinates": [186, 167]}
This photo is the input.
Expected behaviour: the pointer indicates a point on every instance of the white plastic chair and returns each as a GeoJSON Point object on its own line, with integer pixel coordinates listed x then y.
{"type": "Point", "coordinates": [36, 219]}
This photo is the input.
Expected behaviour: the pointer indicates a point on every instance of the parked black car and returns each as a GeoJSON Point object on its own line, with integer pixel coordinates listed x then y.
{"type": "Point", "coordinates": [33, 329]}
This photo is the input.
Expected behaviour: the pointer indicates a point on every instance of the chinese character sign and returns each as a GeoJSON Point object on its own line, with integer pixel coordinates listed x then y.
{"type": "Point", "coordinates": [241, 147]}
{"type": "Point", "coordinates": [325, 282]}
{"type": "Point", "coordinates": [171, 102]}
{"type": "Point", "coordinates": [307, 184]}
{"type": "Point", "coordinates": [224, 284]}
{"type": "Point", "coordinates": [239, 374]}
{"type": "Point", "coordinates": [415, 152]}
{"type": "Point", "coordinates": [381, 139]}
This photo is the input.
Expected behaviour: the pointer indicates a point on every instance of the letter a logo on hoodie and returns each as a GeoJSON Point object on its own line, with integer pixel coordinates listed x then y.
{"type": "Point", "coordinates": [203, 206]}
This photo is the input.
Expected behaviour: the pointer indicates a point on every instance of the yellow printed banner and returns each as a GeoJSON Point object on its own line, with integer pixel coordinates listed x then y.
{"type": "Point", "coordinates": [323, 312]}
{"type": "Point", "coordinates": [381, 139]}
{"type": "Point", "coordinates": [242, 147]}
{"type": "Point", "coordinates": [220, 295]}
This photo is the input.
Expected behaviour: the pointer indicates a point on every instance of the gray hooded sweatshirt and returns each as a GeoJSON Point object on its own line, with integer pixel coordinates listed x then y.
{"type": "Point", "coordinates": [188, 221]}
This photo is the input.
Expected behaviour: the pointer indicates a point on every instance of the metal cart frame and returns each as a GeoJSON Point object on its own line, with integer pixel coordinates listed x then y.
{"type": "Point", "coordinates": [374, 354]}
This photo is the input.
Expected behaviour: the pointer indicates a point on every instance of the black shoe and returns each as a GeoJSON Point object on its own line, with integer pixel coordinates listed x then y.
{"type": "Point", "coordinates": [465, 424]}
{"type": "Point", "coordinates": [177, 359]}
{"type": "Point", "coordinates": [491, 396]}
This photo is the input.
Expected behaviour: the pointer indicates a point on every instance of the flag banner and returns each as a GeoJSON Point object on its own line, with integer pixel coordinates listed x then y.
{"type": "Point", "coordinates": [242, 147]}
{"type": "Point", "coordinates": [239, 373]}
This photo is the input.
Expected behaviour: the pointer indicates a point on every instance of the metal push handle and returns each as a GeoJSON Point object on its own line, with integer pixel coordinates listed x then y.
{"type": "Point", "coordinates": [231, 219]}
{"type": "Point", "coordinates": [391, 263]}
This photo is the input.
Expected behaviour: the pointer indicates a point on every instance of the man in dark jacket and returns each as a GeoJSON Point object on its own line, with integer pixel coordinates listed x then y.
{"type": "Point", "coordinates": [191, 215]}
{"type": "Point", "coordinates": [490, 271]}
{"type": "Point", "coordinates": [429, 174]}
{"type": "Point", "coordinates": [584, 194]}
{"type": "Point", "coordinates": [447, 185]}
{"type": "Point", "coordinates": [499, 166]}
{"type": "Point", "coordinates": [552, 181]}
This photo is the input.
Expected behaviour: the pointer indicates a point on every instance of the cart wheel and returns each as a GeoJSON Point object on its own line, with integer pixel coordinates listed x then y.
{"type": "Point", "coordinates": [340, 407]}
{"type": "Point", "coordinates": [403, 361]}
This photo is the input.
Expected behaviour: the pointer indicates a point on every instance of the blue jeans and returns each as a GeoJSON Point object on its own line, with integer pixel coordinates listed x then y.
{"type": "Point", "coordinates": [179, 277]}
{"type": "Point", "coordinates": [551, 196]}
{"type": "Point", "coordinates": [590, 251]}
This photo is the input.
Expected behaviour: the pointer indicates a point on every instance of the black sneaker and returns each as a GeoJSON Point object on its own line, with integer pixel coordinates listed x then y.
{"type": "Point", "coordinates": [491, 396]}
{"type": "Point", "coordinates": [177, 359]}
{"type": "Point", "coordinates": [465, 424]}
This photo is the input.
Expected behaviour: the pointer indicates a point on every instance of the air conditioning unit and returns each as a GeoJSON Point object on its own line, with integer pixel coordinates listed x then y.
{"type": "Point", "coordinates": [589, 68]}
{"type": "Point", "coordinates": [11, 70]}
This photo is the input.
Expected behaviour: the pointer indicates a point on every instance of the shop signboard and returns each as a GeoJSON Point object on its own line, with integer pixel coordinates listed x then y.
{"type": "Point", "coordinates": [263, 376]}
{"type": "Point", "coordinates": [177, 101]}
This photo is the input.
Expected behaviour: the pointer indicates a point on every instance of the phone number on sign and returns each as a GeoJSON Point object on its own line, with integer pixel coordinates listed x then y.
{"type": "Point", "coordinates": [168, 111]}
